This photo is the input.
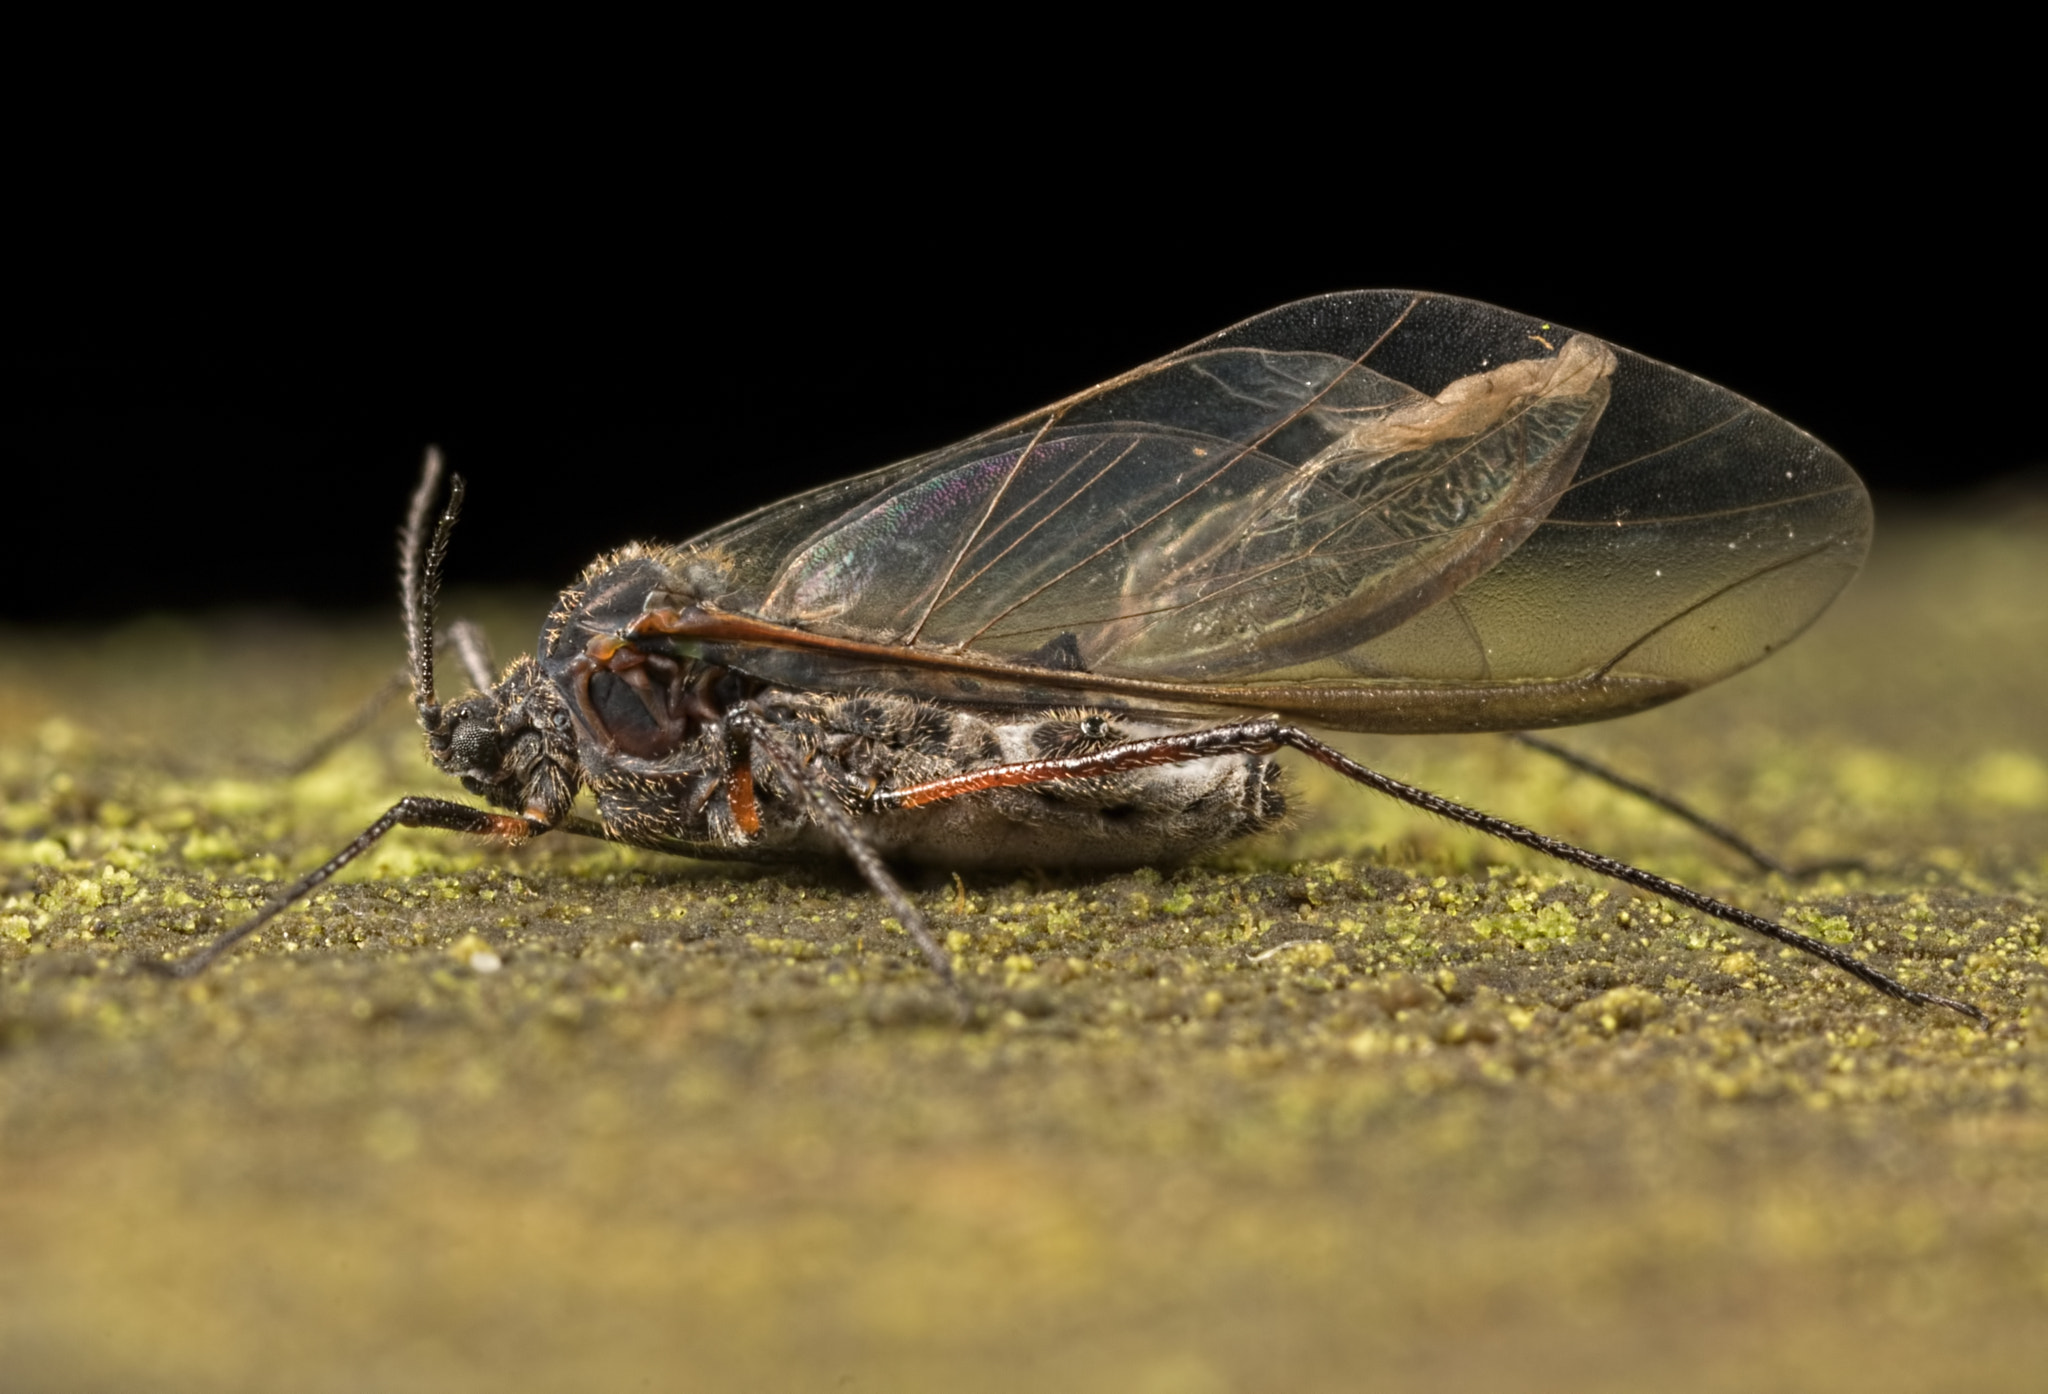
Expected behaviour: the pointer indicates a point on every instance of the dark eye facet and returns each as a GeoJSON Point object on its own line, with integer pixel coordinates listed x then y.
{"type": "Point", "coordinates": [475, 746]}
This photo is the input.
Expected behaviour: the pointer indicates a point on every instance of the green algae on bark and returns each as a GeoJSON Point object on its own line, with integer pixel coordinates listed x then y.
{"type": "Point", "coordinates": [1371, 1095]}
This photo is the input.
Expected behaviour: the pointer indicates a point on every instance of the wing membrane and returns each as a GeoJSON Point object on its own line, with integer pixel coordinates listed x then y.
{"type": "Point", "coordinates": [1362, 492]}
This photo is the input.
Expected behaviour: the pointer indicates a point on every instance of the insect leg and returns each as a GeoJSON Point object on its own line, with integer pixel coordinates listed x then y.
{"type": "Point", "coordinates": [465, 638]}
{"type": "Point", "coordinates": [1264, 735]}
{"type": "Point", "coordinates": [831, 815]}
{"type": "Point", "coordinates": [1685, 813]}
{"type": "Point", "coordinates": [358, 721]}
{"type": "Point", "coordinates": [411, 812]}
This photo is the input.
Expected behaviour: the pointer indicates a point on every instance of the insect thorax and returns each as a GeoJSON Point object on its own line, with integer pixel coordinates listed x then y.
{"type": "Point", "coordinates": [869, 742]}
{"type": "Point", "coordinates": [659, 754]}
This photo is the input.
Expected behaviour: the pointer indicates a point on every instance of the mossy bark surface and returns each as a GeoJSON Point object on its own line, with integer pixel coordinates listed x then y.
{"type": "Point", "coordinates": [1368, 1104]}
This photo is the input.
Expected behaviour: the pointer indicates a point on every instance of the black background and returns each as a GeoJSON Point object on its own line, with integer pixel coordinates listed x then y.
{"type": "Point", "coordinates": [218, 411]}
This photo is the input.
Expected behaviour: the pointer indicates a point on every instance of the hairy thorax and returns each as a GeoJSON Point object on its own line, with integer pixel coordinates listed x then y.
{"type": "Point", "coordinates": [661, 750]}
{"type": "Point", "coordinates": [863, 744]}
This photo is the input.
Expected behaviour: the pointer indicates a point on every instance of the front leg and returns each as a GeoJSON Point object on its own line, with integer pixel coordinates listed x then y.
{"type": "Point", "coordinates": [413, 811]}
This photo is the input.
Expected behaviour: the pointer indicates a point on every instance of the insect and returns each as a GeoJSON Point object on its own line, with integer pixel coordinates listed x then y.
{"type": "Point", "coordinates": [1082, 637]}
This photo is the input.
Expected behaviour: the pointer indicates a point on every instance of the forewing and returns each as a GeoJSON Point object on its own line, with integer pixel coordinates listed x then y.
{"type": "Point", "coordinates": [1375, 488]}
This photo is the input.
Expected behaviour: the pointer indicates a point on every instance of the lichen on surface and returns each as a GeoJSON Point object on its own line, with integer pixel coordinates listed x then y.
{"type": "Point", "coordinates": [1368, 1095]}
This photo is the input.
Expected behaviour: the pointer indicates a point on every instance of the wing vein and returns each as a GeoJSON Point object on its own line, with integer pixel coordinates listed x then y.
{"type": "Point", "coordinates": [967, 544]}
{"type": "Point", "coordinates": [1723, 424]}
{"type": "Point", "coordinates": [1608, 667]}
{"type": "Point", "coordinates": [1050, 514]}
{"type": "Point", "coordinates": [1289, 419]}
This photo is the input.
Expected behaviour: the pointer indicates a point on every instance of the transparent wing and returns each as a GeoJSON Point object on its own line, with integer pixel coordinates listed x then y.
{"type": "Point", "coordinates": [1371, 490]}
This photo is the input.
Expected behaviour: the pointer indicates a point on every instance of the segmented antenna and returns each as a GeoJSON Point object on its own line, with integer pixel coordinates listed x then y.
{"type": "Point", "coordinates": [419, 577]}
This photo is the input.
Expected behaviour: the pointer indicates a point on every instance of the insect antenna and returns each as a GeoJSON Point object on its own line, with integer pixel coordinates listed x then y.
{"type": "Point", "coordinates": [419, 578]}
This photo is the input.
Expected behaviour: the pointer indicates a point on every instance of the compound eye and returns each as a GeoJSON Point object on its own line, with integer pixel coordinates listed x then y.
{"type": "Point", "coordinates": [476, 748]}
